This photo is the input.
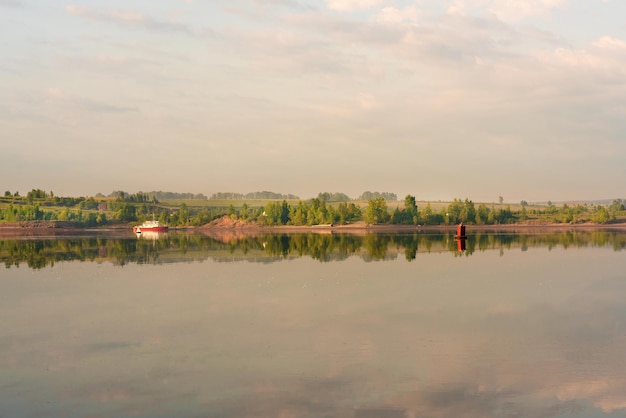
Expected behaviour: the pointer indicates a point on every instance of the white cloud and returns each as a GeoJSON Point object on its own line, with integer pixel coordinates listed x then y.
{"type": "Point", "coordinates": [507, 10]}
{"type": "Point", "coordinates": [409, 14]}
{"type": "Point", "coordinates": [606, 57]}
{"type": "Point", "coordinates": [131, 18]}
{"type": "Point", "coordinates": [54, 93]}
{"type": "Point", "coordinates": [126, 16]}
{"type": "Point", "coordinates": [367, 101]}
{"type": "Point", "coordinates": [605, 393]}
{"type": "Point", "coordinates": [608, 43]}
{"type": "Point", "coordinates": [11, 3]}
{"type": "Point", "coordinates": [352, 5]}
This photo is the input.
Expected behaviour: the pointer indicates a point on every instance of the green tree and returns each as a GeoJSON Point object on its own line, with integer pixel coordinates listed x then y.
{"type": "Point", "coordinates": [376, 211]}
{"type": "Point", "coordinates": [468, 212]}
{"type": "Point", "coordinates": [410, 206]}
{"type": "Point", "coordinates": [272, 213]}
{"type": "Point", "coordinates": [183, 214]}
{"type": "Point", "coordinates": [567, 214]}
{"type": "Point", "coordinates": [523, 216]}
{"type": "Point", "coordinates": [505, 216]}
{"type": "Point", "coordinates": [491, 217]}
{"type": "Point", "coordinates": [298, 213]}
{"type": "Point", "coordinates": [65, 215]}
{"type": "Point", "coordinates": [317, 213]}
{"type": "Point", "coordinates": [453, 213]}
{"type": "Point", "coordinates": [346, 213]}
{"type": "Point", "coordinates": [601, 215]}
{"type": "Point", "coordinates": [427, 214]}
{"type": "Point", "coordinates": [126, 212]}
{"type": "Point", "coordinates": [164, 217]}
{"type": "Point", "coordinates": [284, 213]}
{"type": "Point", "coordinates": [397, 217]}
{"type": "Point", "coordinates": [616, 207]}
{"type": "Point", "coordinates": [482, 214]}
{"type": "Point", "coordinates": [244, 213]}
{"type": "Point", "coordinates": [333, 197]}
{"type": "Point", "coordinates": [101, 219]}
{"type": "Point", "coordinates": [232, 214]}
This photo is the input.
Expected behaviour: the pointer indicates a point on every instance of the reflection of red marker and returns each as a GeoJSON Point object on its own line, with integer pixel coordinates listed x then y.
{"type": "Point", "coordinates": [460, 244]}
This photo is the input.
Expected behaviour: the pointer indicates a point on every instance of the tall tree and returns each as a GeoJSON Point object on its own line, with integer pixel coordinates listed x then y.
{"type": "Point", "coordinates": [376, 211]}
{"type": "Point", "coordinates": [453, 214]}
{"type": "Point", "coordinates": [482, 214]}
{"type": "Point", "coordinates": [468, 212]}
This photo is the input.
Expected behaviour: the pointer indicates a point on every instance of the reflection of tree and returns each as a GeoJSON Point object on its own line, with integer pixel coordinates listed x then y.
{"type": "Point", "coordinates": [323, 247]}
{"type": "Point", "coordinates": [410, 244]}
{"type": "Point", "coordinates": [376, 246]}
{"type": "Point", "coordinates": [39, 253]}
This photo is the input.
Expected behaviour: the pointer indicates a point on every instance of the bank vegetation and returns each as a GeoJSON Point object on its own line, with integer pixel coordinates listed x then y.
{"type": "Point", "coordinates": [326, 209]}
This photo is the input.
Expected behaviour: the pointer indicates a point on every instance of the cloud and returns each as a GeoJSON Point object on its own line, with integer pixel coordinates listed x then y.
{"type": "Point", "coordinates": [11, 3]}
{"type": "Point", "coordinates": [293, 4]}
{"type": "Point", "coordinates": [55, 93]}
{"type": "Point", "coordinates": [367, 101]}
{"type": "Point", "coordinates": [507, 10]}
{"type": "Point", "coordinates": [392, 15]}
{"type": "Point", "coordinates": [489, 76]}
{"type": "Point", "coordinates": [606, 393]}
{"type": "Point", "coordinates": [131, 18]}
{"type": "Point", "coordinates": [352, 5]}
{"type": "Point", "coordinates": [601, 62]}
{"type": "Point", "coordinates": [97, 106]}
{"type": "Point", "coordinates": [518, 10]}
{"type": "Point", "coordinates": [344, 67]}
{"type": "Point", "coordinates": [57, 97]}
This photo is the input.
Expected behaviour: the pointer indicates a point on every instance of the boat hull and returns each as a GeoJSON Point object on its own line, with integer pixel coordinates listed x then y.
{"type": "Point", "coordinates": [140, 229]}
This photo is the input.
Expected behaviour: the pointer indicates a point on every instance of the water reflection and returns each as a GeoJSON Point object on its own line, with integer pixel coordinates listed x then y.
{"type": "Point", "coordinates": [530, 334]}
{"type": "Point", "coordinates": [269, 247]}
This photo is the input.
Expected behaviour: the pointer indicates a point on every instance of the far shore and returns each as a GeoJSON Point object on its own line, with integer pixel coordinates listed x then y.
{"type": "Point", "coordinates": [434, 228]}
{"type": "Point", "coordinates": [243, 228]}
{"type": "Point", "coordinates": [363, 228]}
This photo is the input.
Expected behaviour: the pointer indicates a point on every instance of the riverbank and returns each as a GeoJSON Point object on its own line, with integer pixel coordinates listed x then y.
{"type": "Point", "coordinates": [241, 227]}
{"type": "Point", "coordinates": [226, 229]}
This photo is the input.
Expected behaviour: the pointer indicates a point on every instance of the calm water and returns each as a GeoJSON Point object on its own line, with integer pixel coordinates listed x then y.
{"type": "Point", "coordinates": [314, 326]}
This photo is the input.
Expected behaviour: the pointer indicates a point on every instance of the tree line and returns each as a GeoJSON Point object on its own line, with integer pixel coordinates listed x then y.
{"type": "Point", "coordinates": [327, 208]}
{"type": "Point", "coordinates": [326, 196]}
{"type": "Point", "coordinates": [264, 195]}
{"type": "Point", "coordinates": [316, 211]}
{"type": "Point", "coordinates": [155, 195]}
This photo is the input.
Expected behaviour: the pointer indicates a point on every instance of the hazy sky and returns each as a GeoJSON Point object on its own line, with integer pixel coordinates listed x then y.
{"type": "Point", "coordinates": [439, 99]}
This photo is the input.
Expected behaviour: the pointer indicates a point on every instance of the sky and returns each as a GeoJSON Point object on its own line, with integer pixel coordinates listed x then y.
{"type": "Point", "coordinates": [438, 99]}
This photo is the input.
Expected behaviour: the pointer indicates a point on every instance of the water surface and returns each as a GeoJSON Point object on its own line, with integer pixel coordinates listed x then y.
{"type": "Point", "coordinates": [314, 326]}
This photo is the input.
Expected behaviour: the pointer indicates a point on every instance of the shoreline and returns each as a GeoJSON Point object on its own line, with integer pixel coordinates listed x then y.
{"type": "Point", "coordinates": [39, 228]}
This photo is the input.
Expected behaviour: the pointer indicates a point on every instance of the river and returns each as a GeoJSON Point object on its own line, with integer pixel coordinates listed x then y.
{"type": "Point", "coordinates": [314, 325]}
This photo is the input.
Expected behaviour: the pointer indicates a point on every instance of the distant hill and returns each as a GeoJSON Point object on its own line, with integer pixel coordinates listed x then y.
{"type": "Point", "coordinates": [582, 202]}
{"type": "Point", "coordinates": [254, 195]}
{"type": "Point", "coordinates": [163, 195]}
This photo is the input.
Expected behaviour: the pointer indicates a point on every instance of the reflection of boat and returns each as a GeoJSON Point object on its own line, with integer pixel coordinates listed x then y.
{"type": "Point", "coordinates": [150, 226]}
{"type": "Point", "coordinates": [150, 235]}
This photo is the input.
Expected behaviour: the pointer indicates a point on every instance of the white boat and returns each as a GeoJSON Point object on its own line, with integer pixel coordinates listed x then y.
{"type": "Point", "coordinates": [150, 226]}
